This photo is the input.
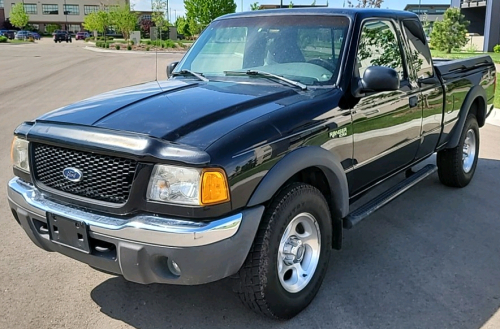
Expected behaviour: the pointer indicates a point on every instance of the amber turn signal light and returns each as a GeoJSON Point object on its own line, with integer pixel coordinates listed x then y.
{"type": "Point", "coordinates": [214, 187]}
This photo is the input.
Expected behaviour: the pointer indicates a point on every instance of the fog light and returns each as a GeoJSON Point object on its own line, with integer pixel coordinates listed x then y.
{"type": "Point", "coordinates": [174, 268]}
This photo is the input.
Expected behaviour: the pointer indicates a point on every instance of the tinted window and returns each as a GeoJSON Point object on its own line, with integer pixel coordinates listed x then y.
{"type": "Point", "coordinates": [419, 55]}
{"type": "Point", "coordinates": [379, 46]}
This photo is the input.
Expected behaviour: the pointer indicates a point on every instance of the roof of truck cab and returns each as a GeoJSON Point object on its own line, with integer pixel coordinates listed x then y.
{"type": "Point", "coordinates": [350, 12]}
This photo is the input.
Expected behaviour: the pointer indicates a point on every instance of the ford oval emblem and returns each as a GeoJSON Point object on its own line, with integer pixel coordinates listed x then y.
{"type": "Point", "coordinates": [72, 174]}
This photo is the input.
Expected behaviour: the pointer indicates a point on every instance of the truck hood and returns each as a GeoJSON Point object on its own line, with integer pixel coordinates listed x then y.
{"type": "Point", "coordinates": [180, 111]}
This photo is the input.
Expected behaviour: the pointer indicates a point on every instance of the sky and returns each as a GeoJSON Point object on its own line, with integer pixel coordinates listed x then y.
{"type": "Point", "coordinates": [177, 6]}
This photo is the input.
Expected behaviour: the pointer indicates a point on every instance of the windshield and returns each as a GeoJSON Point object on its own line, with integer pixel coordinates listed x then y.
{"type": "Point", "coordinates": [303, 48]}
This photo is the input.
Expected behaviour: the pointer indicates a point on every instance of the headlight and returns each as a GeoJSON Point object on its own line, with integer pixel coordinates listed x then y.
{"type": "Point", "coordinates": [19, 154]}
{"type": "Point", "coordinates": [188, 186]}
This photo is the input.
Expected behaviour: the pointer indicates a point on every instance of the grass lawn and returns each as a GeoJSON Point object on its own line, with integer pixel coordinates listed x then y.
{"type": "Point", "coordinates": [497, 93]}
{"type": "Point", "coordinates": [457, 55]}
{"type": "Point", "coordinates": [17, 41]}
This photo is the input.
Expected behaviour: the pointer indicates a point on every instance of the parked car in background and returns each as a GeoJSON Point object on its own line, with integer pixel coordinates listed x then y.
{"type": "Point", "coordinates": [35, 35]}
{"type": "Point", "coordinates": [7, 33]}
{"type": "Point", "coordinates": [22, 35]}
{"type": "Point", "coordinates": [60, 36]}
{"type": "Point", "coordinates": [82, 35]}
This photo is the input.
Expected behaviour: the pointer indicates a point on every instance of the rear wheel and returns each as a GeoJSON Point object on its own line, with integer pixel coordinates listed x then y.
{"type": "Point", "coordinates": [289, 257]}
{"type": "Point", "coordinates": [457, 166]}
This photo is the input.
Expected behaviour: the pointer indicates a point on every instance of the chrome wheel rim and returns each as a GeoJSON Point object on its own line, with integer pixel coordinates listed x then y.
{"type": "Point", "coordinates": [299, 251]}
{"type": "Point", "coordinates": [469, 151]}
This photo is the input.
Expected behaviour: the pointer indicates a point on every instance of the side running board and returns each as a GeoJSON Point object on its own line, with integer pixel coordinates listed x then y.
{"type": "Point", "coordinates": [381, 200]}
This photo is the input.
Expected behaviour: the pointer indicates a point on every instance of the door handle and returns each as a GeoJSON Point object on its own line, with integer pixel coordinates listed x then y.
{"type": "Point", "coordinates": [413, 101]}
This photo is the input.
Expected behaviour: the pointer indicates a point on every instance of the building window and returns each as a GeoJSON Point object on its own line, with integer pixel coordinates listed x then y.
{"type": "Point", "coordinates": [420, 11]}
{"type": "Point", "coordinates": [50, 9]}
{"type": "Point", "coordinates": [36, 26]}
{"type": "Point", "coordinates": [71, 10]}
{"type": "Point", "coordinates": [30, 8]}
{"type": "Point", "coordinates": [74, 28]}
{"type": "Point", "coordinates": [1, 3]}
{"type": "Point", "coordinates": [90, 9]}
{"type": "Point", "coordinates": [440, 11]}
{"type": "Point", "coordinates": [146, 17]}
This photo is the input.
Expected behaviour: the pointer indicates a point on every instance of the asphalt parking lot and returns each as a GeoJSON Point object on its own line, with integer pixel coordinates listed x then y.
{"type": "Point", "coordinates": [430, 259]}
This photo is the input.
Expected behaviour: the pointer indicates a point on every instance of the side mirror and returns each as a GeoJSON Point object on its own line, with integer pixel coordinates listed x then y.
{"type": "Point", "coordinates": [170, 68]}
{"type": "Point", "coordinates": [379, 78]}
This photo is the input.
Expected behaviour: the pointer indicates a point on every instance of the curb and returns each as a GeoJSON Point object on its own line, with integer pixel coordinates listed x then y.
{"type": "Point", "coordinates": [152, 52]}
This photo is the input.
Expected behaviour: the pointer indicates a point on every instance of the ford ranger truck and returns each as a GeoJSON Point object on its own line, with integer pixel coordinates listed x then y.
{"type": "Point", "coordinates": [246, 161]}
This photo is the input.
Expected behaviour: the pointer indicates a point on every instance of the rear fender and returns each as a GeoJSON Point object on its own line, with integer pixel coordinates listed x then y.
{"type": "Point", "coordinates": [476, 92]}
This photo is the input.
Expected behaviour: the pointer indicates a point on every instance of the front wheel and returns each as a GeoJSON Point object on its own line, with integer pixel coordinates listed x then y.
{"type": "Point", "coordinates": [457, 166]}
{"type": "Point", "coordinates": [289, 257]}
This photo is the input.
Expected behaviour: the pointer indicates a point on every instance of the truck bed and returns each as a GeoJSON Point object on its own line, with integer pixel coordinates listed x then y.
{"type": "Point", "coordinates": [445, 67]}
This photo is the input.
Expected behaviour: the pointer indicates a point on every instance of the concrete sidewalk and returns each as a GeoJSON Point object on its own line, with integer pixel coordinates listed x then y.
{"type": "Point", "coordinates": [494, 118]}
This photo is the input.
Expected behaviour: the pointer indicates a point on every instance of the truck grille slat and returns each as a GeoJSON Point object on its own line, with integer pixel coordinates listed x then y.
{"type": "Point", "coordinates": [105, 178]}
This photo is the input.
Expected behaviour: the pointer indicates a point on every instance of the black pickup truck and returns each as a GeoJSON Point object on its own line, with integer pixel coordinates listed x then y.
{"type": "Point", "coordinates": [246, 161]}
{"type": "Point", "coordinates": [61, 35]}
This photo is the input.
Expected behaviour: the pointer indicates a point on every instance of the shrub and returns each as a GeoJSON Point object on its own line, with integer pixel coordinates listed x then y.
{"type": "Point", "coordinates": [129, 47]}
{"type": "Point", "coordinates": [496, 49]}
{"type": "Point", "coordinates": [87, 39]}
{"type": "Point", "coordinates": [98, 43]}
{"type": "Point", "coordinates": [169, 44]}
{"type": "Point", "coordinates": [148, 42]}
{"type": "Point", "coordinates": [181, 44]}
{"type": "Point", "coordinates": [117, 47]}
{"type": "Point", "coordinates": [3, 39]}
{"type": "Point", "coordinates": [107, 45]}
{"type": "Point", "coordinates": [131, 42]}
{"type": "Point", "coordinates": [147, 48]}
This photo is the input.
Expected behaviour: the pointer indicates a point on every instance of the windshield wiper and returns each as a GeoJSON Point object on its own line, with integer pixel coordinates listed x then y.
{"type": "Point", "coordinates": [267, 75]}
{"type": "Point", "coordinates": [189, 72]}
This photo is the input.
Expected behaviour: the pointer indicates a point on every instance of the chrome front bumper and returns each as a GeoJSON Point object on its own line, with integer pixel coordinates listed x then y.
{"type": "Point", "coordinates": [155, 230]}
{"type": "Point", "coordinates": [139, 248]}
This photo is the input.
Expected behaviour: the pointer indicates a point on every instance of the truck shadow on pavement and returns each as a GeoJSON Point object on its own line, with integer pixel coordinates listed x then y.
{"type": "Point", "coordinates": [430, 259]}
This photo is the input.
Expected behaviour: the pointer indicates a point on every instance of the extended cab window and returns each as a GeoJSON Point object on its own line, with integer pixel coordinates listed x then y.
{"type": "Point", "coordinates": [419, 55]}
{"type": "Point", "coordinates": [379, 46]}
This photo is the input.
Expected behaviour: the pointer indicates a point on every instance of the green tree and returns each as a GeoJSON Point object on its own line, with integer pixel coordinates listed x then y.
{"type": "Point", "coordinates": [451, 32]}
{"type": "Point", "coordinates": [18, 16]}
{"type": "Point", "coordinates": [182, 25]}
{"type": "Point", "coordinates": [98, 21]}
{"type": "Point", "coordinates": [194, 26]}
{"type": "Point", "coordinates": [290, 5]}
{"type": "Point", "coordinates": [205, 11]}
{"type": "Point", "coordinates": [159, 16]}
{"type": "Point", "coordinates": [124, 19]}
{"type": "Point", "coordinates": [50, 28]}
{"type": "Point", "coordinates": [254, 6]}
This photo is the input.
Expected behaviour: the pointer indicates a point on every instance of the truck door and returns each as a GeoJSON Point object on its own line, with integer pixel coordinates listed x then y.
{"type": "Point", "coordinates": [386, 125]}
{"type": "Point", "coordinates": [422, 73]}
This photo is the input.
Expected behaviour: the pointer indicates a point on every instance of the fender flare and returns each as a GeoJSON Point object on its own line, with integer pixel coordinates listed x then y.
{"type": "Point", "coordinates": [475, 93]}
{"type": "Point", "coordinates": [300, 159]}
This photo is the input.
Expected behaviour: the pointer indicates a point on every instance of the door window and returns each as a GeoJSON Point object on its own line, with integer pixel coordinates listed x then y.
{"type": "Point", "coordinates": [419, 55]}
{"type": "Point", "coordinates": [379, 46]}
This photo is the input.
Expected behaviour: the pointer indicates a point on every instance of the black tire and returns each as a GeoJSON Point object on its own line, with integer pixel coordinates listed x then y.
{"type": "Point", "coordinates": [258, 284]}
{"type": "Point", "coordinates": [450, 162]}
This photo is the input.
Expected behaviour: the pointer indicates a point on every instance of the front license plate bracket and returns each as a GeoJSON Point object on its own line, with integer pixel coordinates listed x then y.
{"type": "Point", "coordinates": [68, 232]}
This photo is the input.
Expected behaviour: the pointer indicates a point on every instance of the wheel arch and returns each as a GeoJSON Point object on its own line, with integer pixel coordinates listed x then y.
{"type": "Point", "coordinates": [315, 166]}
{"type": "Point", "coordinates": [475, 102]}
